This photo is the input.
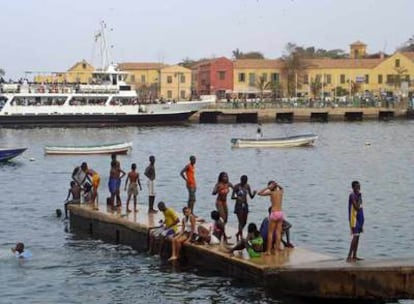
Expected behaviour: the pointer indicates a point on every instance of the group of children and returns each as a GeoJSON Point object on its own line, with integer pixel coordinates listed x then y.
{"type": "Point", "coordinates": [267, 239]}
{"type": "Point", "coordinates": [85, 183]}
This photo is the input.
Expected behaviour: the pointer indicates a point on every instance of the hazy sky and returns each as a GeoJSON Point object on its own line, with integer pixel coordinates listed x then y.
{"type": "Point", "coordinates": [52, 35]}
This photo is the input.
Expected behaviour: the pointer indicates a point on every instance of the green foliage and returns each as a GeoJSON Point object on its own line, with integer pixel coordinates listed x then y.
{"type": "Point", "coordinates": [237, 54]}
{"type": "Point", "coordinates": [2, 72]}
{"type": "Point", "coordinates": [408, 46]}
{"type": "Point", "coordinates": [316, 86]}
{"type": "Point", "coordinates": [340, 91]}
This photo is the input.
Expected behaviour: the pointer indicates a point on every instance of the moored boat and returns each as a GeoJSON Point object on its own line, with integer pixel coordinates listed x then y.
{"type": "Point", "coordinates": [281, 142]}
{"type": "Point", "coordinates": [9, 153]}
{"type": "Point", "coordinates": [110, 103]}
{"type": "Point", "coordinates": [118, 148]}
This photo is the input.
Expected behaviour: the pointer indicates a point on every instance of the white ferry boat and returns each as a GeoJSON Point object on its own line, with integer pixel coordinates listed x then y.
{"type": "Point", "coordinates": [108, 101]}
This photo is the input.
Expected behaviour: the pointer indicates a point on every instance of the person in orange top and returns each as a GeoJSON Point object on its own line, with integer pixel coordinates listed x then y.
{"type": "Point", "coordinates": [188, 174]}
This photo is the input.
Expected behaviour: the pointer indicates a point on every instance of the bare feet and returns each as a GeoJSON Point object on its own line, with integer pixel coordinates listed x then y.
{"type": "Point", "coordinates": [173, 258]}
{"type": "Point", "coordinates": [267, 253]}
{"type": "Point", "coordinates": [152, 211]}
{"type": "Point", "coordinates": [135, 210]}
{"type": "Point", "coordinates": [129, 210]}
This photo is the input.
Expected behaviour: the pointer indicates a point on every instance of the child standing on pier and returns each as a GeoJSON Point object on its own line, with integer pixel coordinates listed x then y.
{"type": "Point", "coordinates": [356, 220]}
{"type": "Point", "coordinates": [276, 217]}
{"type": "Point", "coordinates": [134, 182]}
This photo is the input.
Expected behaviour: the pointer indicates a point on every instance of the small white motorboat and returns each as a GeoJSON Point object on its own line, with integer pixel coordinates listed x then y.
{"type": "Point", "coordinates": [118, 148]}
{"type": "Point", "coordinates": [281, 142]}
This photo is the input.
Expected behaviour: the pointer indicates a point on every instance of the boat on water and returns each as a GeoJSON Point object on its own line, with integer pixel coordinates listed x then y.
{"type": "Point", "coordinates": [281, 142]}
{"type": "Point", "coordinates": [110, 101]}
{"type": "Point", "coordinates": [118, 148]}
{"type": "Point", "coordinates": [106, 100]}
{"type": "Point", "coordinates": [9, 153]}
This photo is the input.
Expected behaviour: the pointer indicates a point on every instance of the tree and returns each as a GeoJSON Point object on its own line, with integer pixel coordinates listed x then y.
{"type": "Point", "coordinates": [294, 67]}
{"type": "Point", "coordinates": [2, 72]}
{"type": "Point", "coordinates": [237, 54]}
{"type": "Point", "coordinates": [187, 62]}
{"type": "Point", "coordinates": [399, 76]}
{"type": "Point", "coordinates": [316, 86]}
{"type": "Point", "coordinates": [276, 89]}
{"type": "Point", "coordinates": [262, 84]}
{"type": "Point", "coordinates": [408, 46]}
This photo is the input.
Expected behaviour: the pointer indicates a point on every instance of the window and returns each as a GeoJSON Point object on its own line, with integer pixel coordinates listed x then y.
{"type": "Point", "coordinates": [84, 66]}
{"type": "Point", "coordinates": [366, 78]}
{"type": "Point", "coordinates": [275, 77]}
{"type": "Point", "coordinates": [390, 79]}
{"type": "Point", "coordinates": [169, 80]}
{"type": "Point", "coordinates": [342, 79]}
{"type": "Point", "coordinates": [306, 79]}
{"type": "Point", "coordinates": [182, 78]}
{"type": "Point", "coordinates": [380, 79]}
{"type": "Point", "coordinates": [242, 77]}
{"type": "Point", "coordinates": [182, 94]}
{"type": "Point", "coordinates": [169, 94]}
{"type": "Point", "coordinates": [142, 78]}
{"type": "Point", "coordinates": [221, 75]}
{"type": "Point", "coordinates": [328, 78]}
{"type": "Point", "coordinates": [264, 77]}
{"type": "Point", "coordinates": [397, 63]}
{"type": "Point", "coordinates": [132, 78]}
{"type": "Point", "coordinates": [252, 79]}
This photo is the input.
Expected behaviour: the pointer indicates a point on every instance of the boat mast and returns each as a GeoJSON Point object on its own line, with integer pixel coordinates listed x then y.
{"type": "Point", "coordinates": [103, 48]}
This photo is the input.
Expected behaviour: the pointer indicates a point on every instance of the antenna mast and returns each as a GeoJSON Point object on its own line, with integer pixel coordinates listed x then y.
{"type": "Point", "coordinates": [103, 48]}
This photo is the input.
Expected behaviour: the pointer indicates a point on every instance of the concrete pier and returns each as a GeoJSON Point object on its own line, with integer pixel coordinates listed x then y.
{"type": "Point", "coordinates": [293, 272]}
{"type": "Point", "coordinates": [290, 115]}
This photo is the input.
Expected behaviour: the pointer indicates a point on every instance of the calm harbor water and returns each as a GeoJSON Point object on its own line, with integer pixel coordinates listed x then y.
{"type": "Point", "coordinates": [69, 268]}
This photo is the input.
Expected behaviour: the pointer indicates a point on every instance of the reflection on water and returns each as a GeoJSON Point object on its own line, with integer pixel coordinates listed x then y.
{"type": "Point", "coordinates": [68, 268]}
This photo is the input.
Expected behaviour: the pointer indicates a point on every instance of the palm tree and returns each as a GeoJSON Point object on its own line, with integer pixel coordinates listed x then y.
{"type": "Point", "coordinates": [237, 54]}
{"type": "Point", "coordinates": [294, 66]}
{"type": "Point", "coordinates": [262, 84]}
{"type": "Point", "coordinates": [276, 89]}
{"type": "Point", "coordinates": [316, 86]}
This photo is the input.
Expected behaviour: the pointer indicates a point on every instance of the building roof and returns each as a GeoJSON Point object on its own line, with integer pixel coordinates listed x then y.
{"type": "Point", "coordinates": [258, 64]}
{"type": "Point", "coordinates": [88, 65]}
{"type": "Point", "coordinates": [358, 43]}
{"type": "Point", "coordinates": [346, 63]}
{"type": "Point", "coordinates": [409, 55]}
{"type": "Point", "coordinates": [131, 66]}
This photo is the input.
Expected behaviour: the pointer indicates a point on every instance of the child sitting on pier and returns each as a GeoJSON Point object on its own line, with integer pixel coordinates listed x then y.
{"type": "Point", "coordinates": [213, 235]}
{"type": "Point", "coordinates": [253, 243]}
{"type": "Point", "coordinates": [186, 234]}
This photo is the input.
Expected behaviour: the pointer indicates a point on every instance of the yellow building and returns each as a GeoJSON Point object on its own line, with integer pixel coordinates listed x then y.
{"type": "Point", "coordinates": [175, 83]}
{"type": "Point", "coordinates": [248, 74]}
{"type": "Point", "coordinates": [377, 76]}
{"type": "Point", "coordinates": [144, 76]}
{"type": "Point", "coordinates": [80, 72]}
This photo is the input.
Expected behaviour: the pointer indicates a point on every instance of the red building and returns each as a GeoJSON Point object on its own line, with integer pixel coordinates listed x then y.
{"type": "Point", "coordinates": [213, 77]}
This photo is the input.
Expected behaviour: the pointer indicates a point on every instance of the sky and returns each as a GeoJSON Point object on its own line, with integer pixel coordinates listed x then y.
{"type": "Point", "coordinates": [52, 35]}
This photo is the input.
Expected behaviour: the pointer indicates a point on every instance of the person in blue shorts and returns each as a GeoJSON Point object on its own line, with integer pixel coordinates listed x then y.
{"type": "Point", "coordinates": [356, 220]}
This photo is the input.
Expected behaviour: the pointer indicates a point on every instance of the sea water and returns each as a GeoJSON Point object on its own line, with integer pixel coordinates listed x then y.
{"type": "Point", "coordinates": [72, 268]}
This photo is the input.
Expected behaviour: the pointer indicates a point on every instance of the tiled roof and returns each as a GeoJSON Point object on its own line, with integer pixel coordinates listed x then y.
{"type": "Point", "coordinates": [347, 63]}
{"type": "Point", "coordinates": [130, 66]}
{"type": "Point", "coordinates": [258, 64]}
{"type": "Point", "coordinates": [409, 55]}
{"type": "Point", "coordinates": [81, 62]}
{"type": "Point", "coordinates": [358, 43]}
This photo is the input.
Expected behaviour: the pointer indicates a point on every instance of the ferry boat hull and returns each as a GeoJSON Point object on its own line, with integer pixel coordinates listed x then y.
{"type": "Point", "coordinates": [92, 120]}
